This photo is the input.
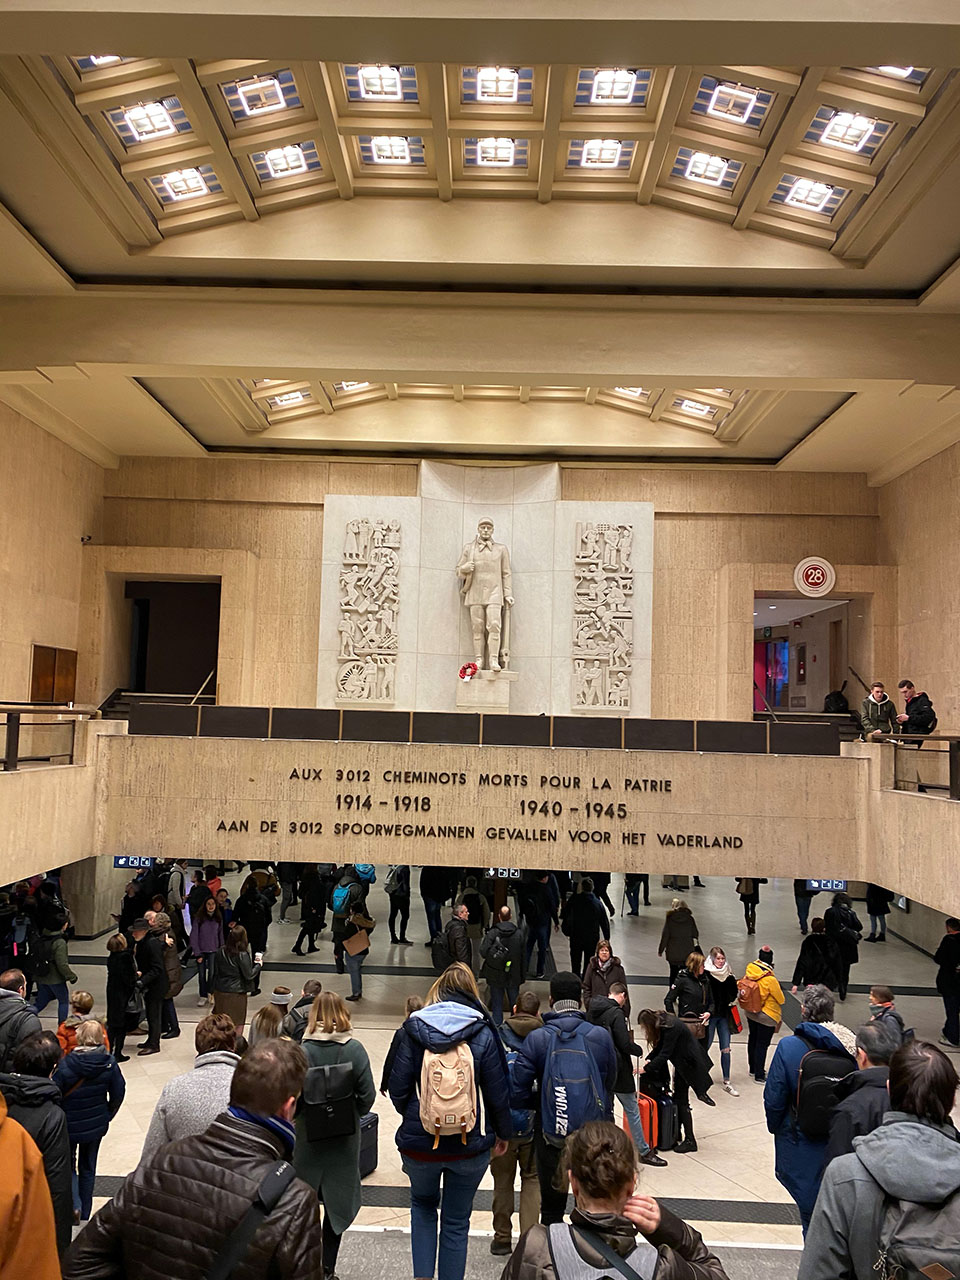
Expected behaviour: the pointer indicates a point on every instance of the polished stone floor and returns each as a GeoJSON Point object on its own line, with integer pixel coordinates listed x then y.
{"type": "Point", "coordinates": [727, 1189]}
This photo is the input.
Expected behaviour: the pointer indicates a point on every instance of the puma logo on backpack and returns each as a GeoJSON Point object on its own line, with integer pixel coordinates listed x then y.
{"type": "Point", "coordinates": [448, 1093]}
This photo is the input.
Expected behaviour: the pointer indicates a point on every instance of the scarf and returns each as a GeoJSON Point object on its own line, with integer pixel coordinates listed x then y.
{"type": "Point", "coordinates": [720, 974]}
{"type": "Point", "coordinates": [604, 965]}
{"type": "Point", "coordinates": [276, 1125]}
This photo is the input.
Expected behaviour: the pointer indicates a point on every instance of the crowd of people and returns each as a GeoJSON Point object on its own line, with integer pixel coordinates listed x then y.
{"type": "Point", "coordinates": [479, 1081]}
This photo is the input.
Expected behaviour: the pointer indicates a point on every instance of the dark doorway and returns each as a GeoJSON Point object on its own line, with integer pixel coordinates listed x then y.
{"type": "Point", "coordinates": [175, 636]}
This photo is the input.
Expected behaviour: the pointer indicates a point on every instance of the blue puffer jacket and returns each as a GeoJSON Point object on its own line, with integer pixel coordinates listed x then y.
{"type": "Point", "coordinates": [439, 1027]}
{"type": "Point", "coordinates": [96, 1099]}
{"type": "Point", "coordinates": [800, 1160]}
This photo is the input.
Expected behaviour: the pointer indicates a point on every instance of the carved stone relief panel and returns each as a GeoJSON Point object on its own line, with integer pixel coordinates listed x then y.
{"type": "Point", "coordinates": [369, 593]}
{"type": "Point", "coordinates": [602, 616]}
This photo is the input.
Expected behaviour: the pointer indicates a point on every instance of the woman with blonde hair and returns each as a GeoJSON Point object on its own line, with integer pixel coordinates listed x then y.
{"type": "Point", "coordinates": [92, 1086]}
{"type": "Point", "coordinates": [327, 1153]}
{"type": "Point", "coordinates": [266, 1022]}
{"type": "Point", "coordinates": [446, 1163]}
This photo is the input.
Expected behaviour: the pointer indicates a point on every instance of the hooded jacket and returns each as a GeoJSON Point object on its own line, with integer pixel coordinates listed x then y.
{"type": "Point", "coordinates": [517, 1026]}
{"type": "Point", "coordinates": [27, 1235]}
{"type": "Point", "coordinates": [191, 1102]}
{"type": "Point", "coordinates": [92, 1086]}
{"type": "Point", "coordinates": [921, 717]}
{"type": "Point", "coordinates": [606, 1012]}
{"type": "Point", "coordinates": [34, 1102]}
{"type": "Point", "coordinates": [17, 1021]}
{"type": "Point", "coordinates": [773, 996]}
{"type": "Point", "coordinates": [682, 1255]}
{"type": "Point", "coordinates": [52, 964]}
{"type": "Point", "coordinates": [818, 961]}
{"type": "Point", "coordinates": [294, 1023]}
{"type": "Point", "coordinates": [862, 1102]}
{"type": "Point", "coordinates": [439, 1027]}
{"type": "Point", "coordinates": [905, 1159]}
{"type": "Point", "coordinates": [67, 1031]}
{"type": "Point", "coordinates": [133, 1234]}
{"type": "Point", "coordinates": [878, 716]}
{"type": "Point", "coordinates": [513, 972]}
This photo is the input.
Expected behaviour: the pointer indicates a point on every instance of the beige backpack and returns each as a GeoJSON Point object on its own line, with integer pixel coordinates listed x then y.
{"type": "Point", "coordinates": [448, 1093]}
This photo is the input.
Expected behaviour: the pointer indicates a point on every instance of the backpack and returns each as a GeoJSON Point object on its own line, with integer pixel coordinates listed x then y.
{"type": "Point", "coordinates": [11, 1036]}
{"type": "Point", "coordinates": [571, 1091]}
{"type": "Point", "coordinates": [521, 1118]}
{"type": "Point", "coordinates": [366, 871]}
{"type": "Point", "coordinates": [440, 952]}
{"type": "Point", "coordinates": [448, 1093]}
{"type": "Point", "coordinates": [818, 1075]}
{"type": "Point", "coordinates": [22, 940]}
{"type": "Point", "coordinates": [392, 882]}
{"type": "Point", "coordinates": [43, 953]}
{"type": "Point", "coordinates": [340, 899]}
{"type": "Point", "coordinates": [918, 1240]}
{"type": "Point", "coordinates": [835, 703]}
{"type": "Point", "coordinates": [498, 957]}
{"type": "Point", "coordinates": [329, 1109]}
{"type": "Point", "coordinates": [749, 995]}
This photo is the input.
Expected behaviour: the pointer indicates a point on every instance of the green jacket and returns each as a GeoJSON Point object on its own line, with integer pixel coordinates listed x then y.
{"type": "Point", "coordinates": [333, 1165]}
{"type": "Point", "coordinates": [56, 969]}
{"type": "Point", "coordinates": [878, 715]}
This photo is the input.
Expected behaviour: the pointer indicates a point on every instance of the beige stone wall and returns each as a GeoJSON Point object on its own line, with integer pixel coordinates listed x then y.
{"type": "Point", "coordinates": [920, 534]}
{"type": "Point", "coordinates": [49, 496]}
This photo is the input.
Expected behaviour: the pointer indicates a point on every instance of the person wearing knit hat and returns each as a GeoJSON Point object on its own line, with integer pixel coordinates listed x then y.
{"type": "Point", "coordinates": [267, 1022]}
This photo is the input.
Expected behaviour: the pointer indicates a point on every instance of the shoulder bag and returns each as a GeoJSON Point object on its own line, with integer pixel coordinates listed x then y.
{"type": "Point", "coordinates": [274, 1184]}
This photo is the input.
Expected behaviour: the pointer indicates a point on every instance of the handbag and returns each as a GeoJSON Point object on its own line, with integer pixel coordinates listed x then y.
{"type": "Point", "coordinates": [357, 942]}
{"type": "Point", "coordinates": [360, 920]}
{"type": "Point", "coordinates": [733, 1016]}
{"type": "Point", "coordinates": [693, 1024]}
{"type": "Point", "coordinates": [135, 1005]}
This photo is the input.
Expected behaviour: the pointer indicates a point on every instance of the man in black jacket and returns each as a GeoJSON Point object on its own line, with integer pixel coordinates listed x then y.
{"type": "Point", "coordinates": [607, 1011]}
{"type": "Point", "coordinates": [148, 951]}
{"type": "Point", "coordinates": [918, 716]}
{"type": "Point", "coordinates": [948, 981]}
{"type": "Point", "coordinates": [458, 939]}
{"type": "Point", "coordinates": [540, 906]}
{"type": "Point", "coordinates": [17, 1019]}
{"type": "Point", "coordinates": [583, 920]}
{"type": "Point", "coordinates": [130, 1236]}
{"type": "Point", "coordinates": [295, 1022]}
{"type": "Point", "coordinates": [862, 1097]}
{"type": "Point", "coordinates": [35, 1102]}
{"type": "Point", "coordinates": [434, 890]}
{"type": "Point", "coordinates": [503, 953]}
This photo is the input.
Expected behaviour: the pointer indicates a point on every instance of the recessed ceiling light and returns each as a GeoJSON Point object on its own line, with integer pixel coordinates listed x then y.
{"type": "Point", "coordinates": [771, 606]}
{"type": "Point", "coordinates": [901, 73]}
{"type": "Point", "coordinates": [260, 95]}
{"type": "Point", "coordinates": [613, 84]}
{"type": "Point", "coordinates": [350, 386]}
{"type": "Point", "coordinates": [703, 167]}
{"type": "Point", "coordinates": [496, 151]}
{"type": "Point", "coordinates": [381, 84]}
{"type": "Point", "coordinates": [848, 131]}
{"type": "Point", "coordinates": [697, 408]}
{"type": "Point", "coordinates": [390, 149]}
{"type": "Point", "coordinates": [635, 393]}
{"type": "Point", "coordinates": [732, 102]}
{"type": "Point", "coordinates": [149, 120]}
{"type": "Point", "coordinates": [755, 614]}
{"type": "Point", "coordinates": [184, 184]}
{"type": "Point", "coordinates": [601, 153]}
{"type": "Point", "coordinates": [284, 161]}
{"type": "Point", "coordinates": [286, 400]}
{"type": "Point", "coordinates": [497, 84]}
{"type": "Point", "coordinates": [107, 59]}
{"type": "Point", "coordinates": [807, 194]}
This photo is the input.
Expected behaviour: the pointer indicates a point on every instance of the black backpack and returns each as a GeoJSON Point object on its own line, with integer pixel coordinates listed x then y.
{"type": "Point", "coordinates": [498, 957]}
{"type": "Point", "coordinates": [43, 953]}
{"type": "Point", "coordinates": [835, 703]}
{"type": "Point", "coordinates": [329, 1109]}
{"type": "Point", "coordinates": [440, 952]}
{"type": "Point", "coordinates": [818, 1075]}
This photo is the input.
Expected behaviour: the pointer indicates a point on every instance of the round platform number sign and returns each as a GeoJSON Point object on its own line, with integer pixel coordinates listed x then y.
{"type": "Point", "coordinates": [814, 576]}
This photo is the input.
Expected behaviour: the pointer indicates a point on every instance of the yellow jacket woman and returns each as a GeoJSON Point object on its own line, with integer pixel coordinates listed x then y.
{"type": "Point", "coordinates": [762, 1023]}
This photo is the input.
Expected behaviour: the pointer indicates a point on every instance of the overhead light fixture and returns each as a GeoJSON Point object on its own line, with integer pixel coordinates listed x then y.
{"type": "Point", "coordinates": [900, 73]}
{"type": "Point", "coordinates": [732, 102]}
{"type": "Point", "coordinates": [350, 386]}
{"type": "Point", "coordinates": [612, 85]}
{"type": "Point", "coordinates": [390, 149]}
{"type": "Point", "coordinates": [286, 400]}
{"type": "Point", "coordinates": [635, 393]}
{"type": "Point", "coordinates": [496, 151]}
{"type": "Point", "coordinates": [697, 408]}
{"type": "Point", "coordinates": [809, 195]}
{"type": "Point", "coordinates": [381, 84]}
{"type": "Point", "coordinates": [107, 59]}
{"type": "Point", "coordinates": [184, 184]}
{"type": "Point", "coordinates": [497, 84]}
{"type": "Point", "coordinates": [285, 161]}
{"type": "Point", "coordinates": [703, 167]}
{"type": "Point", "coordinates": [149, 120]}
{"type": "Point", "coordinates": [848, 131]}
{"type": "Point", "coordinates": [771, 606]}
{"type": "Point", "coordinates": [601, 153]}
{"type": "Point", "coordinates": [260, 95]}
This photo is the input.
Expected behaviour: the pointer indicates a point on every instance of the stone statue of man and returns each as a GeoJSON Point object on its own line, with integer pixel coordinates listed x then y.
{"type": "Point", "coordinates": [486, 587]}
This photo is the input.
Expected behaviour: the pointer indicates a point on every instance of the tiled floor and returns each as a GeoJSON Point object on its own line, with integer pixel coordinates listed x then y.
{"type": "Point", "coordinates": [735, 1160]}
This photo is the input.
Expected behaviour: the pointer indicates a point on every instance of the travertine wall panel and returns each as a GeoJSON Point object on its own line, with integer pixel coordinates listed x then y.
{"type": "Point", "coordinates": [49, 497]}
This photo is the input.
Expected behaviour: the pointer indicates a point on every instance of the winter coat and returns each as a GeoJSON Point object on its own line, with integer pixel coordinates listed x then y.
{"type": "Point", "coordinates": [905, 1159]}
{"type": "Point", "coordinates": [597, 981]}
{"type": "Point", "coordinates": [294, 1023]}
{"type": "Point", "coordinates": [583, 920]}
{"type": "Point", "coordinates": [532, 1058]}
{"type": "Point", "coordinates": [439, 1027]}
{"type": "Point", "coordinates": [682, 1253]}
{"type": "Point", "coordinates": [333, 1164]}
{"type": "Point", "coordinates": [891, 1019]}
{"type": "Point", "coordinates": [17, 1021]}
{"type": "Point", "coordinates": [513, 972]}
{"type": "Point", "coordinates": [435, 884]}
{"type": "Point", "coordinates": [878, 716]}
{"type": "Point", "coordinates": [689, 996]}
{"type": "Point", "coordinates": [458, 941]}
{"type": "Point", "coordinates": [948, 958]}
{"type": "Point", "coordinates": [921, 717]}
{"type": "Point", "coordinates": [401, 888]}
{"type": "Point", "coordinates": [862, 1102]}
{"type": "Point", "coordinates": [678, 1048]}
{"type": "Point", "coordinates": [171, 964]}
{"type": "Point", "coordinates": [540, 903]}
{"type": "Point", "coordinates": [191, 1102]}
{"type": "Point", "coordinates": [28, 1240]}
{"type": "Point", "coordinates": [517, 1026]}
{"type": "Point", "coordinates": [842, 924]}
{"type": "Point", "coordinates": [92, 1086]}
{"type": "Point", "coordinates": [206, 935]}
{"type": "Point", "coordinates": [34, 1102]}
{"type": "Point", "coordinates": [818, 961]}
{"type": "Point", "coordinates": [134, 1233]}
{"type": "Point", "coordinates": [748, 887]}
{"type": "Point", "coordinates": [479, 919]}
{"type": "Point", "coordinates": [121, 984]}
{"type": "Point", "coordinates": [606, 1012]}
{"type": "Point", "coordinates": [67, 1032]}
{"type": "Point", "coordinates": [252, 911]}
{"type": "Point", "coordinates": [149, 956]}
{"type": "Point", "coordinates": [773, 997]}
{"type": "Point", "coordinates": [799, 1159]}
{"type": "Point", "coordinates": [356, 901]}
{"type": "Point", "coordinates": [234, 972]}
{"type": "Point", "coordinates": [723, 992]}
{"type": "Point", "coordinates": [878, 900]}
{"type": "Point", "coordinates": [53, 968]}
{"type": "Point", "coordinates": [679, 936]}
